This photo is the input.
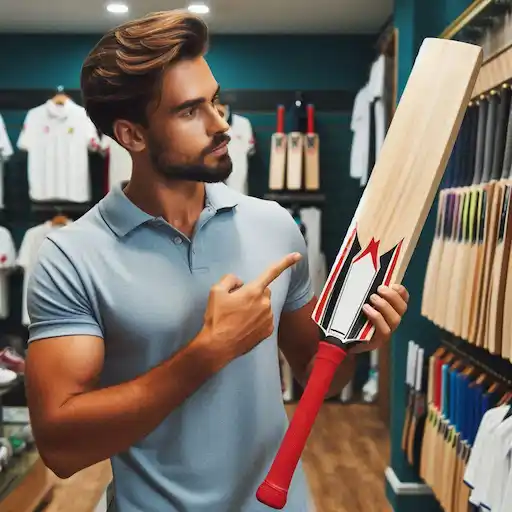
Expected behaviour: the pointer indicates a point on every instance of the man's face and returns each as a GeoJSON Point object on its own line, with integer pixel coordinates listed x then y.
{"type": "Point", "coordinates": [186, 137]}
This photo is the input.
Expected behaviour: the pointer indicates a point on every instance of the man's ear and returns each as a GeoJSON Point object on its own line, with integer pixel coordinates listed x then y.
{"type": "Point", "coordinates": [130, 135]}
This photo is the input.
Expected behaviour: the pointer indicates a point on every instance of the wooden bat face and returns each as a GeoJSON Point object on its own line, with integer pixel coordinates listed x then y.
{"type": "Point", "coordinates": [387, 223]}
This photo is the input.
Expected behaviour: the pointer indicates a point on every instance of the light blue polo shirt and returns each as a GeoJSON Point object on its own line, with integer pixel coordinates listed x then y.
{"type": "Point", "coordinates": [143, 286]}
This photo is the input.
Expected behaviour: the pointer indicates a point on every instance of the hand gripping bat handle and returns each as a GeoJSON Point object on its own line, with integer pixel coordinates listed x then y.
{"type": "Point", "coordinates": [273, 491]}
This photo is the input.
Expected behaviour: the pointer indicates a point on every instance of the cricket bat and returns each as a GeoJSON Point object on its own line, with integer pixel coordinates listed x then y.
{"type": "Point", "coordinates": [384, 230]}
{"type": "Point", "coordinates": [454, 317]}
{"type": "Point", "coordinates": [312, 152]}
{"type": "Point", "coordinates": [455, 196]}
{"type": "Point", "coordinates": [477, 210]}
{"type": "Point", "coordinates": [418, 413]}
{"type": "Point", "coordinates": [278, 153]}
{"type": "Point", "coordinates": [427, 433]}
{"type": "Point", "coordinates": [430, 286]}
{"type": "Point", "coordinates": [295, 157]}
{"type": "Point", "coordinates": [454, 263]}
{"type": "Point", "coordinates": [492, 215]}
{"type": "Point", "coordinates": [409, 385]}
{"type": "Point", "coordinates": [493, 335]}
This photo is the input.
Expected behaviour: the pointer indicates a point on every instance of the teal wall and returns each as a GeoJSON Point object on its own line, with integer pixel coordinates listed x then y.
{"type": "Point", "coordinates": [415, 20]}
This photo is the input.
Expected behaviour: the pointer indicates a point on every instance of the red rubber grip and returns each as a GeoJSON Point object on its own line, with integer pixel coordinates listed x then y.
{"type": "Point", "coordinates": [273, 492]}
{"type": "Point", "coordinates": [280, 119]}
{"type": "Point", "coordinates": [311, 119]}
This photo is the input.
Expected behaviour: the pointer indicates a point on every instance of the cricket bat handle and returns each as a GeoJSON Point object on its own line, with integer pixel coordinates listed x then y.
{"type": "Point", "coordinates": [273, 492]}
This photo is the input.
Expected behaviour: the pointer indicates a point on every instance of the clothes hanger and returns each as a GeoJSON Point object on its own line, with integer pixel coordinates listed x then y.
{"type": "Point", "coordinates": [61, 97]}
{"type": "Point", "coordinates": [59, 219]}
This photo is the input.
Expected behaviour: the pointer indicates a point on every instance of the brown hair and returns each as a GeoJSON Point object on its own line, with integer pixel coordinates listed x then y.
{"type": "Point", "coordinates": [121, 76]}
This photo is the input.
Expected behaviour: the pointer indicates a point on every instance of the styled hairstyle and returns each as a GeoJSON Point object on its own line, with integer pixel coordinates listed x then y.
{"type": "Point", "coordinates": [122, 75]}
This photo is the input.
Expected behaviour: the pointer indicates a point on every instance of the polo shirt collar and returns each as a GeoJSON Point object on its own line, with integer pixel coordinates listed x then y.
{"type": "Point", "coordinates": [123, 216]}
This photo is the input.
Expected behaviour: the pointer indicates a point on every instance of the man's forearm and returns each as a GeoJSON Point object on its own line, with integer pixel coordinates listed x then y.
{"type": "Point", "coordinates": [95, 425]}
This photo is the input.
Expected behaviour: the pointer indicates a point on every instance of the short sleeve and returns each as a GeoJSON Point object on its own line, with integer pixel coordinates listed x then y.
{"type": "Point", "coordinates": [27, 134]}
{"type": "Point", "coordinates": [7, 249]}
{"type": "Point", "coordinates": [57, 302]}
{"type": "Point", "coordinates": [5, 144]}
{"type": "Point", "coordinates": [300, 290]}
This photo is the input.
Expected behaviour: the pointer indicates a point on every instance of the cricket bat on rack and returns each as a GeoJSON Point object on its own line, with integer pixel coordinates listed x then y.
{"type": "Point", "coordinates": [458, 266]}
{"type": "Point", "coordinates": [475, 223]}
{"type": "Point", "coordinates": [312, 152]}
{"type": "Point", "coordinates": [409, 384]}
{"type": "Point", "coordinates": [428, 303]}
{"type": "Point", "coordinates": [278, 153]}
{"type": "Point", "coordinates": [295, 156]}
{"type": "Point", "coordinates": [491, 175]}
{"type": "Point", "coordinates": [384, 230]}
{"type": "Point", "coordinates": [493, 335]}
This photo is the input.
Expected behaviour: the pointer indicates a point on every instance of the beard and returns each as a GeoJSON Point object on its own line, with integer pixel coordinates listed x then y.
{"type": "Point", "coordinates": [194, 171]}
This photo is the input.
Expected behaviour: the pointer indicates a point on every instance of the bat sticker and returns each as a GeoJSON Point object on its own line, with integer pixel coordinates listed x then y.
{"type": "Point", "coordinates": [357, 275]}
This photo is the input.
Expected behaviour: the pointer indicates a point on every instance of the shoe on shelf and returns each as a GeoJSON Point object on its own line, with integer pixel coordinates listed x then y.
{"type": "Point", "coordinates": [11, 360]}
{"type": "Point", "coordinates": [7, 377]}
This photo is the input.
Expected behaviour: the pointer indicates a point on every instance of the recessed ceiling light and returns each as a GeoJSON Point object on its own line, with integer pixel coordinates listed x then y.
{"type": "Point", "coordinates": [117, 8]}
{"type": "Point", "coordinates": [199, 8]}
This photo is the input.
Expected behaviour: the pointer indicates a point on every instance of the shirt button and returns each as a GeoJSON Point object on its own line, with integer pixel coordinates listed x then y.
{"type": "Point", "coordinates": [177, 240]}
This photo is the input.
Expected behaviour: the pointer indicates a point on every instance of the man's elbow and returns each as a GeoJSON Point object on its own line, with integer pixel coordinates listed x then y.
{"type": "Point", "coordinates": [54, 461]}
{"type": "Point", "coordinates": [55, 456]}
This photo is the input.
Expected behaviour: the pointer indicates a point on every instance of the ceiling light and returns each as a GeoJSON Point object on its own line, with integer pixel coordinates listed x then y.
{"type": "Point", "coordinates": [117, 8]}
{"type": "Point", "coordinates": [199, 8]}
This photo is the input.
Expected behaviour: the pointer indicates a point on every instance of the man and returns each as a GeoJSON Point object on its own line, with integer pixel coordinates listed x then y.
{"type": "Point", "coordinates": [156, 317]}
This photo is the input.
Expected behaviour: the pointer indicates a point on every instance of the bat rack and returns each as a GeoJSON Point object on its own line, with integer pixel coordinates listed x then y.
{"type": "Point", "coordinates": [500, 369]}
{"type": "Point", "coordinates": [296, 198]}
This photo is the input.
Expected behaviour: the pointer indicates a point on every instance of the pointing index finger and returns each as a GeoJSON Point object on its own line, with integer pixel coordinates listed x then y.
{"type": "Point", "coordinates": [275, 270]}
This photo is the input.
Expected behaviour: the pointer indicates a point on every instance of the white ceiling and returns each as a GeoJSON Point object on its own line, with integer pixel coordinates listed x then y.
{"type": "Point", "coordinates": [226, 16]}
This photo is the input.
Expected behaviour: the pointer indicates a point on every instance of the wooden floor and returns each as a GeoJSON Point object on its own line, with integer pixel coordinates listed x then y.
{"type": "Point", "coordinates": [345, 459]}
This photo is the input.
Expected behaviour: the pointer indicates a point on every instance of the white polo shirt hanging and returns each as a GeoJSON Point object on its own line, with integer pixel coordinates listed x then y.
{"type": "Point", "coordinates": [57, 139]}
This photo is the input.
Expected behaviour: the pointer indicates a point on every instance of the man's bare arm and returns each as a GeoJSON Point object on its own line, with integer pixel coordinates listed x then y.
{"type": "Point", "coordinates": [77, 425]}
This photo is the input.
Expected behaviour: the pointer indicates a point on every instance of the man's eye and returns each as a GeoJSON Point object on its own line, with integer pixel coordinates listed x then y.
{"type": "Point", "coordinates": [189, 112]}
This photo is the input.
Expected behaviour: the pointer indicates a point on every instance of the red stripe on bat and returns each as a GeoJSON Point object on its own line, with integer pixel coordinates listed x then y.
{"type": "Point", "coordinates": [373, 250]}
{"type": "Point", "coordinates": [393, 263]}
{"type": "Point", "coordinates": [368, 325]}
{"type": "Point", "coordinates": [327, 289]}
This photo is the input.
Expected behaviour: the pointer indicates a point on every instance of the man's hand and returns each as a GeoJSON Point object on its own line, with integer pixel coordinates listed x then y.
{"type": "Point", "coordinates": [385, 313]}
{"type": "Point", "coordinates": [238, 315]}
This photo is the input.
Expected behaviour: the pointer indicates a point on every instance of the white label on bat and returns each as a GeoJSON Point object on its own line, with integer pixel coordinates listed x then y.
{"type": "Point", "coordinates": [356, 286]}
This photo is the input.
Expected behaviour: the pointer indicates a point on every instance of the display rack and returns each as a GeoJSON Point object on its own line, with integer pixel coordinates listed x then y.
{"type": "Point", "coordinates": [478, 17]}
{"type": "Point", "coordinates": [500, 369]}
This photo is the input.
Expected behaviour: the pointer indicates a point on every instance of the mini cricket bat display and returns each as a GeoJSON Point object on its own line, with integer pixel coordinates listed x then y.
{"type": "Point", "coordinates": [312, 152]}
{"type": "Point", "coordinates": [385, 228]}
{"type": "Point", "coordinates": [278, 153]}
{"type": "Point", "coordinates": [295, 156]}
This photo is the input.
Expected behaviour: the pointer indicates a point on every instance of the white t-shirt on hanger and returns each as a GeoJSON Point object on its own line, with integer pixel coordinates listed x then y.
{"type": "Point", "coordinates": [120, 162]}
{"type": "Point", "coordinates": [57, 139]}
{"type": "Point", "coordinates": [7, 262]}
{"type": "Point", "coordinates": [360, 126]}
{"type": "Point", "coordinates": [312, 219]}
{"type": "Point", "coordinates": [240, 147]}
{"type": "Point", "coordinates": [27, 257]}
{"type": "Point", "coordinates": [5, 152]}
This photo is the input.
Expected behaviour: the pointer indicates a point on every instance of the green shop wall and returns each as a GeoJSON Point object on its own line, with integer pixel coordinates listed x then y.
{"type": "Point", "coordinates": [415, 20]}
{"type": "Point", "coordinates": [238, 62]}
